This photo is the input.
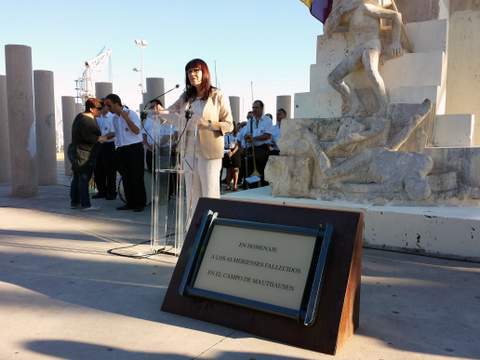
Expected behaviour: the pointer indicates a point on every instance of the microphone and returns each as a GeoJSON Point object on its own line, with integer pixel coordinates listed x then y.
{"type": "Point", "coordinates": [143, 113]}
{"type": "Point", "coordinates": [165, 93]}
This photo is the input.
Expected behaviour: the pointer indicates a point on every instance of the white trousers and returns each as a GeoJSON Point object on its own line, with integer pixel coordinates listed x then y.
{"type": "Point", "coordinates": [202, 181]}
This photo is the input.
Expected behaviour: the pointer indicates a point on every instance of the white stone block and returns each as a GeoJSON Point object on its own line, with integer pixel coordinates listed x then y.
{"type": "Point", "coordinates": [410, 94]}
{"type": "Point", "coordinates": [324, 104]}
{"type": "Point", "coordinates": [409, 70]}
{"type": "Point", "coordinates": [428, 36]}
{"type": "Point", "coordinates": [425, 36]}
{"type": "Point", "coordinates": [331, 50]}
{"type": "Point", "coordinates": [414, 70]}
{"type": "Point", "coordinates": [463, 84]}
{"type": "Point", "coordinates": [327, 102]}
{"type": "Point", "coordinates": [454, 130]}
{"type": "Point", "coordinates": [438, 230]}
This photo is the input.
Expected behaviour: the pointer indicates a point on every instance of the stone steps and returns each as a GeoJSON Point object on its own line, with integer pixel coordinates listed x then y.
{"type": "Point", "coordinates": [327, 103]}
{"type": "Point", "coordinates": [331, 51]}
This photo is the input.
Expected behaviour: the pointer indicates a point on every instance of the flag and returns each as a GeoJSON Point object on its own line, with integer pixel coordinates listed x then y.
{"type": "Point", "coordinates": [320, 9]}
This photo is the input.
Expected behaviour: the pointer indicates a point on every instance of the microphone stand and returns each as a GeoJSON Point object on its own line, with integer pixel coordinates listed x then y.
{"type": "Point", "coordinates": [143, 112]}
{"type": "Point", "coordinates": [159, 96]}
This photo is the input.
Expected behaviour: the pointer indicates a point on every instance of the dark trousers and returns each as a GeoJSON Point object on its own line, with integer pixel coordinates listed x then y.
{"type": "Point", "coordinates": [105, 170]}
{"type": "Point", "coordinates": [129, 160]}
{"type": "Point", "coordinates": [79, 194]}
{"type": "Point", "coordinates": [261, 158]}
{"type": "Point", "coordinates": [149, 160]}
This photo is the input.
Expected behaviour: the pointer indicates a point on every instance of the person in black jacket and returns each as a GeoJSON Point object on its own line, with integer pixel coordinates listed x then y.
{"type": "Point", "coordinates": [85, 136]}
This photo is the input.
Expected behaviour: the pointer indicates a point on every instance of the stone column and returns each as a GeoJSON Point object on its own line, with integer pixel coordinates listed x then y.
{"type": "Point", "coordinates": [155, 87]}
{"type": "Point", "coordinates": [79, 108]}
{"type": "Point", "coordinates": [145, 99]}
{"type": "Point", "coordinates": [103, 89]}
{"type": "Point", "coordinates": [68, 114]}
{"type": "Point", "coordinates": [285, 102]}
{"type": "Point", "coordinates": [4, 135]}
{"type": "Point", "coordinates": [45, 127]}
{"type": "Point", "coordinates": [235, 107]}
{"type": "Point", "coordinates": [21, 120]}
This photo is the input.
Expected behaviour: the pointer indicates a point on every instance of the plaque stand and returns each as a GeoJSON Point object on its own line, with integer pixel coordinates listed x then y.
{"type": "Point", "coordinates": [337, 315]}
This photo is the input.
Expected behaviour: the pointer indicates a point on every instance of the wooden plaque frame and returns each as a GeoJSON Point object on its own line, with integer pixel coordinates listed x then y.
{"type": "Point", "coordinates": [339, 302]}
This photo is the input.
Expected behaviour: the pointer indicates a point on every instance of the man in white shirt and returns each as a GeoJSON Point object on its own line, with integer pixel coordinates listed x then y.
{"type": "Point", "coordinates": [105, 172]}
{"type": "Point", "coordinates": [257, 134]}
{"type": "Point", "coordinates": [276, 132]}
{"type": "Point", "coordinates": [129, 153]}
{"type": "Point", "coordinates": [162, 137]}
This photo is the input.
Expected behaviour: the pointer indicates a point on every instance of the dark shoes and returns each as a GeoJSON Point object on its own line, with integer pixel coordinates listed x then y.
{"type": "Point", "coordinates": [124, 207]}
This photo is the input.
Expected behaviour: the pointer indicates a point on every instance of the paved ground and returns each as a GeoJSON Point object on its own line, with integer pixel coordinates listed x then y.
{"type": "Point", "coordinates": [62, 296]}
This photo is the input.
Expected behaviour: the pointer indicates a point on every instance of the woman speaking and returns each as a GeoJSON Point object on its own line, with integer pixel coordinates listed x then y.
{"type": "Point", "coordinates": [202, 116]}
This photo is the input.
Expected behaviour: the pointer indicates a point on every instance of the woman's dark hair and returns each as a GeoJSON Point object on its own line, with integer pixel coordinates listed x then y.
{"type": "Point", "coordinates": [205, 87]}
{"type": "Point", "coordinates": [92, 103]}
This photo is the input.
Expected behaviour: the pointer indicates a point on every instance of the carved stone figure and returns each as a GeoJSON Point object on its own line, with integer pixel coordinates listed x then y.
{"type": "Point", "coordinates": [354, 155]}
{"type": "Point", "coordinates": [362, 19]}
{"type": "Point", "coordinates": [380, 149]}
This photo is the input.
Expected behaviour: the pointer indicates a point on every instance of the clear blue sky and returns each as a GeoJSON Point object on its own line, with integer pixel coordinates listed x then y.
{"type": "Point", "coordinates": [269, 42]}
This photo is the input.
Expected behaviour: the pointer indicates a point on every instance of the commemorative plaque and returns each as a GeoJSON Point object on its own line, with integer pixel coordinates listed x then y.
{"type": "Point", "coordinates": [286, 273]}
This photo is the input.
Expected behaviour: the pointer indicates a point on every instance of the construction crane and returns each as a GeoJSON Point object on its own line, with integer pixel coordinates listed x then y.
{"type": "Point", "coordinates": [84, 85]}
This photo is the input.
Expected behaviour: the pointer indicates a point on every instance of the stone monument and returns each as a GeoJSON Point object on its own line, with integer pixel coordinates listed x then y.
{"type": "Point", "coordinates": [375, 126]}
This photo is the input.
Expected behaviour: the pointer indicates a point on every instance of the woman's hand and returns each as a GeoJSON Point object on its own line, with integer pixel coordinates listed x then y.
{"type": "Point", "coordinates": [208, 125]}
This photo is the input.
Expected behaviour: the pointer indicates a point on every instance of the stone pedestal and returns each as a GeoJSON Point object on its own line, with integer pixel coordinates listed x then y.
{"type": "Point", "coordinates": [155, 87]}
{"type": "Point", "coordinates": [4, 135]}
{"type": "Point", "coordinates": [68, 114]}
{"type": "Point", "coordinates": [428, 230]}
{"type": "Point", "coordinates": [21, 119]}
{"type": "Point", "coordinates": [235, 107]}
{"type": "Point", "coordinates": [102, 89]}
{"type": "Point", "coordinates": [285, 102]}
{"type": "Point", "coordinates": [45, 127]}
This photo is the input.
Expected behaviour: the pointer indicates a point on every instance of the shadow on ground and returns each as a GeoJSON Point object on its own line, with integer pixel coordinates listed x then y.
{"type": "Point", "coordinates": [410, 303]}
{"type": "Point", "coordinates": [78, 350]}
